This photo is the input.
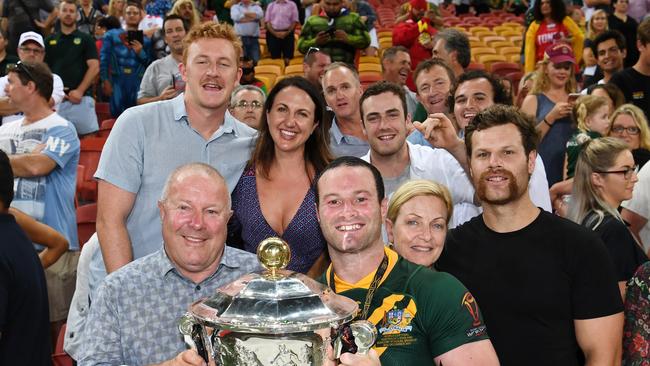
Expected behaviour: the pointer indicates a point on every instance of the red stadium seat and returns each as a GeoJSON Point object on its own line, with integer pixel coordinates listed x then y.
{"type": "Point", "coordinates": [59, 357]}
{"type": "Point", "coordinates": [105, 127]}
{"type": "Point", "coordinates": [504, 68]}
{"type": "Point", "coordinates": [103, 111]}
{"type": "Point", "coordinates": [86, 219]}
{"type": "Point", "coordinates": [91, 149]}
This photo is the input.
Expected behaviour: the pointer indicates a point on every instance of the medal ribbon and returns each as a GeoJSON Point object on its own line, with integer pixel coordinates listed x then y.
{"type": "Point", "coordinates": [371, 290]}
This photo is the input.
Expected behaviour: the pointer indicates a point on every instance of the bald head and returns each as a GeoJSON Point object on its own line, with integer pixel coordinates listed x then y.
{"type": "Point", "coordinates": [190, 170]}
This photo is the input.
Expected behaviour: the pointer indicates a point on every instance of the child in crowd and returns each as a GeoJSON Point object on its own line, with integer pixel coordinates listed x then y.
{"type": "Point", "coordinates": [590, 113]}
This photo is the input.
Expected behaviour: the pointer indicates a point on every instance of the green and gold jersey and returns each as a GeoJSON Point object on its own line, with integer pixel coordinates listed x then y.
{"type": "Point", "coordinates": [419, 314]}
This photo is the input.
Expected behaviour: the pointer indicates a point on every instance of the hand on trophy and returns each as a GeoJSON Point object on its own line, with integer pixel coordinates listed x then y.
{"type": "Point", "coordinates": [187, 358]}
{"type": "Point", "coordinates": [352, 359]}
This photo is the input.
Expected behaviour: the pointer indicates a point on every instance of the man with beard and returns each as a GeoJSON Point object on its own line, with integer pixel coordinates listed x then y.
{"type": "Point", "coordinates": [72, 54]}
{"type": "Point", "coordinates": [383, 112]}
{"type": "Point", "coordinates": [476, 91]}
{"type": "Point", "coordinates": [396, 68]}
{"type": "Point", "coordinates": [162, 79]}
{"type": "Point", "coordinates": [546, 285]}
{"type": "Point", "coordinates": [416, 33]}
{"type": "Point", "coordinates": [338, 32]}
{"type": "Point", "coordinates": [422, 317]}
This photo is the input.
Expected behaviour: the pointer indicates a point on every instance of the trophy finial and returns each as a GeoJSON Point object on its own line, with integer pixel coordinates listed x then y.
{"type": "Point", "coordinates": [274, 254]}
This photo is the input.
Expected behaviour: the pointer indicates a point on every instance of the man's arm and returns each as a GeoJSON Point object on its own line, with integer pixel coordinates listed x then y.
{"type": "Point", "coordinates": [479, 353]}
{"type": "Point", "coordinates": [75, 95]}
{"type": "Point", "coordinates": [55, 243]}
{"type": "Point", "coordinates": [31, 165]}
{"type": "Point", "coordinates": [358, 37]}
{"type": "Point", "coordinates": [113, 207]}
{"type": "Point", "coordinates": [636, 221]}
{"type": "Point", "coordinates": [600, 339]}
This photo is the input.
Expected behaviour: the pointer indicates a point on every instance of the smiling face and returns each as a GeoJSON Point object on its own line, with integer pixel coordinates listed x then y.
{"type": "Point", "coordinates": [621, 129]}
{"type": "Point", "coordinates": [342, 92]}
{"type": "Point", "coordinates": [349, 211]}
{"type": "Point", "coordinates": [210, 72]}
{"type": "Point", "coordinates": [419, 231]}
{"type": "Point", "coordinates": [194, 217]}
{"type": "Point", "coordinates": [614, 188]}
{"type": "Point", "coordinates": [471, 97]}
{"type": "Point", "coordinates": [499, 164]}
{"type": "Point", "coordinates": [397, 69]}
{"type": "Point", "coordinates": [315, 71]}
{"type": "Point", "coordinates": [559, 74]}
{"type": "Point", "coordinates": [433, 88]}
{"type": "Point", "coordinates": [291, 119]}
{"type": "Point", "coordinates": [599, 22]}
{"type": "Point", "coordinates": [610, 57]}
{"type": "Point", "coordinates": [384, 124]}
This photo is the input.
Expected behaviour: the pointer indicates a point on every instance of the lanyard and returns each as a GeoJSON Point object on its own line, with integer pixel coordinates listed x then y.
{"type": "Point", "coordinates": [371, 290]}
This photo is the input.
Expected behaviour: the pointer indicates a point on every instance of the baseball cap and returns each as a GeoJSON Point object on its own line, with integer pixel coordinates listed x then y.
{"type": "Point", "coordinates": [31, 36]}
{"type": "Point", "coordinates": [560, 52]}
{"type": "Point", "coordinates": [419, 4]}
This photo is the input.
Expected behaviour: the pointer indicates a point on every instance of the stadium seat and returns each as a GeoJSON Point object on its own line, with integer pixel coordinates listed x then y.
{"type": "Point", "coordinates": [475, 66]}
{"type": "Point", "coordinates": [294, 70]}
{"type": "Point", "coordinates": [504, 68]}
{"type": "Point", "coordinates": [475, 29]}
{"type": "Point", "coordinates": [269, 69]}
{"type": "Point", "coordinates": [508, 50]}
{"type": "Point", "coordinates": [81, 171]}
{"type": "Point", "coordinates": [59, 357]}
{"type": "Point", "coordinates": [90, 151]}
{"type": "Point", "coordinates": [295, 61]}
{"type": "Point", "coordinates": [477, 51]}
{"type": "Point", "coordinates": [369, 60]}
{"type": "Point", "coordinates": [267, 79]}
{"type": "Point", "coordinates": [86, 219]}
{"type": "Point", "coordinates": [488, 60]}
{"type": "Point", "coordinates": [103, 111]}
{"type": "Point", "coordinates": [269, 61]}
{"type": "Point", "coordinates": [369, 67]}
{"type": "Point", "coordinates": [515, 77]}
{"type": "Point", "coordinates": [105, 127]}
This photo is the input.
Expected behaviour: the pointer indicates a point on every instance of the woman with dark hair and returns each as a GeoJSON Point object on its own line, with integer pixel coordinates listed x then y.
{"type": "Point", "coordinates": [275, 195]}
{"type": "Point", "coordinates": [610, 92]}
{"type": "Point", "coordinates": [551, 25]}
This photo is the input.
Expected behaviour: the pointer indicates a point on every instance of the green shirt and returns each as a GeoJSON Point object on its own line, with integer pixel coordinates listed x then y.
{"type": "Point", "coordinates": [350, 23]}
{"type": "Point", "coordinates": [420, 314]}
{"type": "Point", "coordinates": [66, 54]}
{"type": "Point", "coordinates": [573, 148]}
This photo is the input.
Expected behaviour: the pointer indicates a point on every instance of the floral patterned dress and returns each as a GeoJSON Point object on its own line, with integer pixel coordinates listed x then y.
{"type": "Point", "coordinates": [636, 334]}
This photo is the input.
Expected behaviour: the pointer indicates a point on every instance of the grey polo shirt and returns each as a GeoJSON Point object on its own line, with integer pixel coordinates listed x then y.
{"type": "Point", "coordinates": [346, 145]}
{"type": "Point", "coordinates": [148, 142]}
{"type": "Point", "coordinates": [158, 76]}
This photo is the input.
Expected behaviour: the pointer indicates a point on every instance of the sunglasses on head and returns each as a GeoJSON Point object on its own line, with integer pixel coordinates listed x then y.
{"type": "Point", "coordinates": [20, 67]}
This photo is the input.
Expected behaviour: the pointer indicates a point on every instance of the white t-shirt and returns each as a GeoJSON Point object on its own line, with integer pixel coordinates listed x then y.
{"type": "Point", "coordinates": [640, 203]}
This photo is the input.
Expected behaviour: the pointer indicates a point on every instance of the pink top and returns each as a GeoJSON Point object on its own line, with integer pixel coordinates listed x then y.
{"type": "Point", "coordinates": [281, 14]}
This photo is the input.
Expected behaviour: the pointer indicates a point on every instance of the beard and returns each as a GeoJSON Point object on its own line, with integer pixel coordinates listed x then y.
{"type": "Point", "coordinates": [514, 191]}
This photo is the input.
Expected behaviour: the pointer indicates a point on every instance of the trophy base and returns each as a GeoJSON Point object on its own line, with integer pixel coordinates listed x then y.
{"type": "Point", "coordinates": [243, 349]}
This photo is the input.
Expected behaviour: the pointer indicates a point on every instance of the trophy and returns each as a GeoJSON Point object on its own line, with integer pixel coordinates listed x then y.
{"type": "Point", "coordinates": [275, 317]}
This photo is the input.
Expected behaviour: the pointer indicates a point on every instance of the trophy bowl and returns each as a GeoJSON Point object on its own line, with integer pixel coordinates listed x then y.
{"type": "Point", "coordinates": [274, 317]}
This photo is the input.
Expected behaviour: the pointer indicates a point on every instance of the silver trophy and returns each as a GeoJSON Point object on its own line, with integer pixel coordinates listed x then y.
{"type": "Point", "coordinates": [275, 318]}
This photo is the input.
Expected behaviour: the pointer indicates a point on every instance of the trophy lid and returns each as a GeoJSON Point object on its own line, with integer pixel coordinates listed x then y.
{"type": "Point", "coordinates": [274, 301]}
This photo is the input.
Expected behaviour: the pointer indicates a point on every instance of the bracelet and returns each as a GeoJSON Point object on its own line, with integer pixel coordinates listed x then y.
{"type": "Point", "coordinates": [547, 123]}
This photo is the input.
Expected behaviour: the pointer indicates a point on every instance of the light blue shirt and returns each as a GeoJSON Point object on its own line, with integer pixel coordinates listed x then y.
{"type": "Point", "coordinates": [346, 145]}
{"type": "Point", "coordinates": [134, 319]}
{"type": "Point", "coordinates": [48, 198]}
{"type": "Point", "coordinates": [146, 144]}
{"type": "Point", "coordinates": [248, 29]}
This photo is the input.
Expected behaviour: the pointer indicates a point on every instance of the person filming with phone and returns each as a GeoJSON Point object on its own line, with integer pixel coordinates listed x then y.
{"type": "Point", "coordinates": [124, 57]}
{"type": "Point", "coordinates": [337, 32]}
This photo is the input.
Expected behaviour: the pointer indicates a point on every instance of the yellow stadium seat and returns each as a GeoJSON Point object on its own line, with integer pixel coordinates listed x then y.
{"type": "Point", "coordinates": [475, 29]}
{"type": "Point", "coordinates": [512, 24]}
{"type": "Point", "coordinates": [370, 67]}
{"type": "Point", "coordinates": [500, 44]}
{"type": "Point", "coordinates": [488, 60]}
{"type": "Point", "coordinates": [508, 50]}
{"type": "Point", "coordinates": [296, 61]}
{"type": "Point", "coordinates": [513, 57]}
{"type": "Point", "coordinates": [478, 51]}
{"type": "Point", "coordinates": [267, 79]}
{"type": "Point", "coordinates": [479, 44]}
{"type": "Point", "coordinates": [294, 70]}
{"type": "Point", "coordinates": [501, 28]}
{"type": "Point", "coordinates": [385, 34]}
{"type": "Point", "coordinates": [516, 40]}
{"type": "Point", "coordinates": [369, 60]}
{"type": "Point", "coordinates": [385, 43]}
{"type": "Point", "coordinates": [270, 61]}
{"type": "Point", "coordinates": [483, 34]}
{"type": "Point", "coordinates": [510, 32]}
{"type": "Point", "coordinates": [268, 69]}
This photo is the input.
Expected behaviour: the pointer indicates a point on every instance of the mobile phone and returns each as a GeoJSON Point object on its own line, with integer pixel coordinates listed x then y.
{"type": "Point", "coordinates": [135, 36]}
{"type": "Point", "coordinates": [178, 83]}
{"type": "Point", "coordinates": [573, 97]}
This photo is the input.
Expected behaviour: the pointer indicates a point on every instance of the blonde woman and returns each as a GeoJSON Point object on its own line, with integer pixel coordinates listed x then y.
{"type": "Point", "coordinates": [605, 177]}
{"type": "Point", "coordinates": [596, 26]}
{"type": "Point", "coordinates": [630, 125]}
{"type": "Point", "coordinates": [549, 104]}
{"type": "Point", "coordinates": [591, 115]}
{"type": "Point", "coordinates": [186, 10]}
{"type": "Point", "coordinates": [116, 9]}
{"type": "Point", "coordinates": [417, 220]}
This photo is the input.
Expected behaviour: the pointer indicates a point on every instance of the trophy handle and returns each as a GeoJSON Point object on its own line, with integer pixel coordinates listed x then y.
{"type": "Point", "coordinates": [365, 335]}
{"type": "Point", "coordinates": [193, 335]}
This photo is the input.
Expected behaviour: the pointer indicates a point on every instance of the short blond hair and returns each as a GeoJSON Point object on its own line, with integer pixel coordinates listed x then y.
{"type": "Point", "coordinates": [418, 188]}
{"type": "Point", "coordinates": [210, 30]}
{"type": "Point", "coordinates": [639, 119]}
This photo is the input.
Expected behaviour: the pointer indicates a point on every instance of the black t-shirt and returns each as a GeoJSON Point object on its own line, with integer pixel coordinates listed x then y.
{"type": "Point", "coordinates": [8, 60]}
{"type": "Point", "coordinates": [24, 315]}
{"type": "Point", "coordinates": [635, 87]}
{"type": "Point", "coordinates": [623, 249]}
{"type": "Point", "coordinates": [532, 283]}
{"type": "Point", "coordinates": [628, 30]}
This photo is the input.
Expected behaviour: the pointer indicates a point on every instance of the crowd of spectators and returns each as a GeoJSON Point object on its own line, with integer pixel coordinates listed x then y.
{"type": "Point", "coordinates": [531, 188]}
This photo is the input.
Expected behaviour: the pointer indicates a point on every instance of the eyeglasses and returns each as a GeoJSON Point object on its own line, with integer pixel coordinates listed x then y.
{"type": "Point", "coordinates": [20, 67]}
{"type": "Point", "coordinates": [627, 173]}
{"type": "Point", "coordinates": [630, 130]}
{"type": "Point", "coordinates": [244, 104]}
{"type": "Point", "coordinates": [36, 51]}
{"type": "Point", "coordinates": [310, 51]}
